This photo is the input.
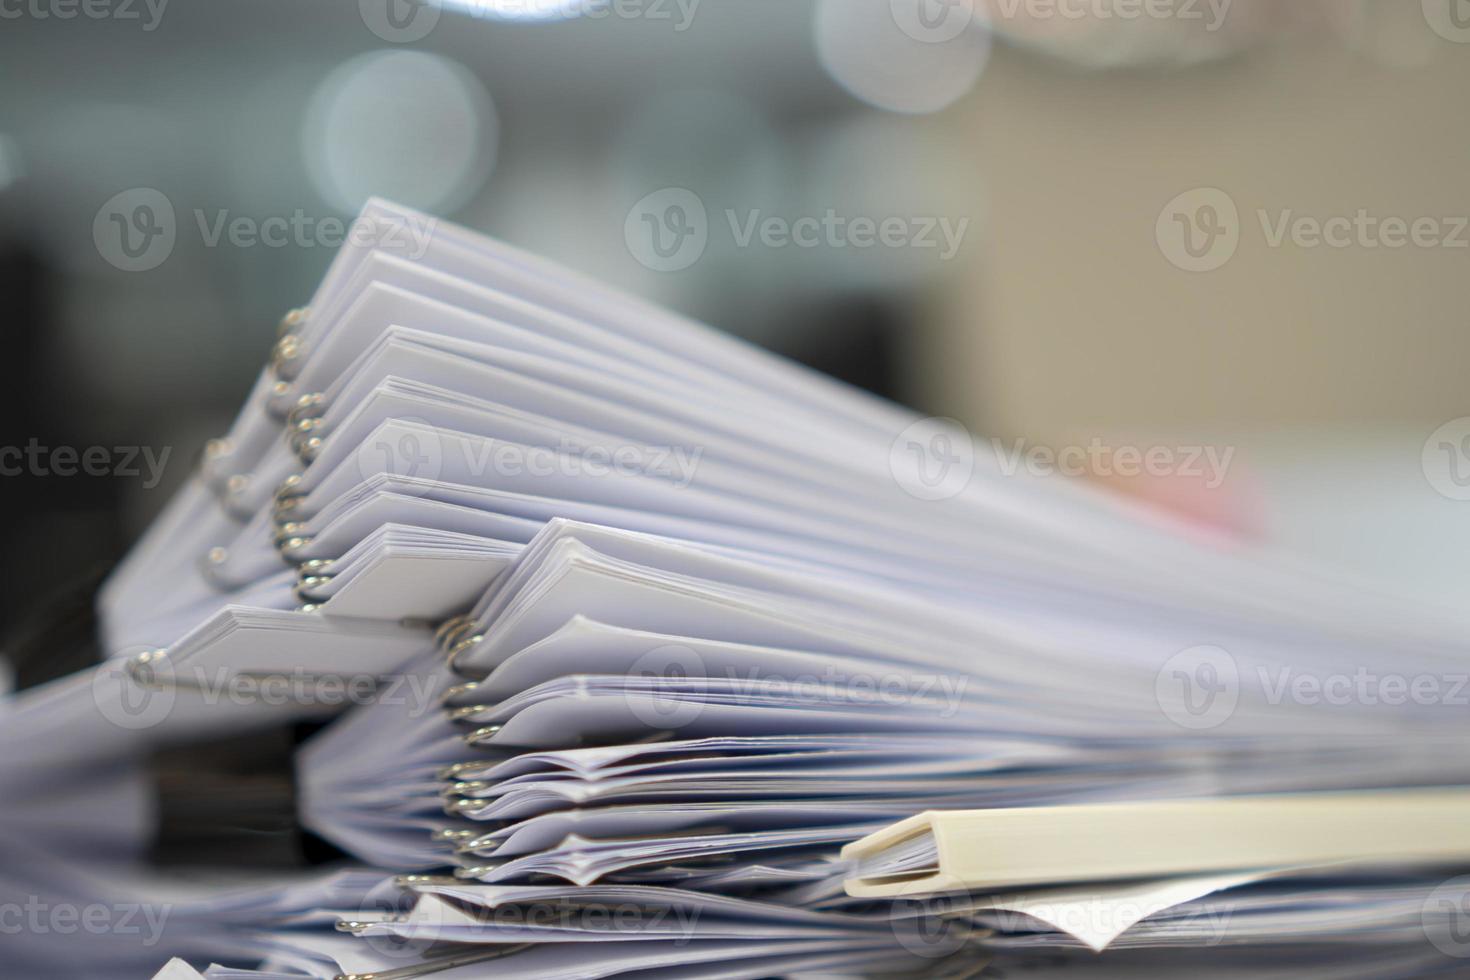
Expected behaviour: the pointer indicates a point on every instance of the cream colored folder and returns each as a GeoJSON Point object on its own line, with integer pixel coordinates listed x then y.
{"type": "Point", "coordinates": [981, 850]}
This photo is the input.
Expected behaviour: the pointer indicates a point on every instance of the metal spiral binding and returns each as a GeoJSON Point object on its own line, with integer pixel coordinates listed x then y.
{"type": "Point", "coordinates": [291, 537]}
{"type": "Point", "coordinates": [488, 731]}
{"type": "Point", "coordinates": [286, 352]}
{"type": "Point", "coordinates": [225, 491]}
{"type": "Point", "coordinates": [289, 347]}
{"type": "Point", "coordinates": [309, 576]}
{"type": "Point", "coordinates": [450, 835]}
{"type": "Point", "coordinates": [452, 694]}
{"type": "Point", "coordinates": [453, 637]}
{"type": "Point", "coordinates": [411, 881]}
{"type": "Point", "coordinates": [464, 806]}
{"type": "Point", "coordinates": [475, 872]}
{"type": "Point", "coordinates": [455, 770]}
{"type": "Point", "coordinates": [293, 321]}
{"type": "Point", "coordinates": [303, 423]}
{"type": "Point", "coordinates": [454, 836]}
{"type": "Point", "coordinates": [449, 631]}
{"type": "Point", "coordinates": [308, 448]}
{"type": "Point", "coordinates": [467, 711]}
{"type": "Point", "coordinates": [304, 418]}
{"type": "Point", "coordinates": [209, 566]}
{"type": "Point", "coordinates": [287, 499]}
{"type": "Point", "coordinates": [215, 450]}
{"type": "Point", "coordinates": [144, 668]}
{"type": "Point", "coordinates": [459, 648]}
{"type": "Point", "coordinates": [306, 407]}
{"type": "Point", "coordinates": [480, 845]}
{"type": "Point", "coordinates": [227, 494]}
{"type": "Point", "coordinates": [463, 788]}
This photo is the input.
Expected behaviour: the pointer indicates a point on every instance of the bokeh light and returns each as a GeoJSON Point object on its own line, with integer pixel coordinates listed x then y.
{"type": "Point", "coordinates": [524, 10]}
{"type": "Point", "coordinates": [412, 126]}
{"type": "Point", "coordinates": [892, 54]}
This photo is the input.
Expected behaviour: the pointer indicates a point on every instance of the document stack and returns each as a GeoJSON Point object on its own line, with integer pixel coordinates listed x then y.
{"type": "Point", "coordinates": [612, 647]}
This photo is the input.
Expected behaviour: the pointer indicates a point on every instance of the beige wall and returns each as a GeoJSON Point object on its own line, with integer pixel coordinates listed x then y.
{"type": "Point", "coordinates": [1070, 322]}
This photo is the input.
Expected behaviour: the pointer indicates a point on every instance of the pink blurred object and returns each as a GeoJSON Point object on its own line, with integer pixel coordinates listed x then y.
{"type": "Point", "coordinates": [1232, 508]}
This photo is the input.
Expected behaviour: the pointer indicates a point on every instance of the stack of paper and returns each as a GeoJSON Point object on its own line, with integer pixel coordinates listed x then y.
{"type": "Point", "coordinates": [652, 624]}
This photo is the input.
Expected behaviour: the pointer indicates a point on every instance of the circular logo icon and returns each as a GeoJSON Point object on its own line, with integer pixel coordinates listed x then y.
{"type": "Point", "coordinates": [411, 447]}
{"type": "Point", "coordinates": [933, 459]}
{"type": "Point", "coordinates": [1450, 19]}
{"type": "Point", "coordinates": [397, 923]}
{"type": "Point", "coordinates": [933, 21]}
{"type": "Point", "coordinates": [136, 689]}
{"type": "Point", "coordinates": [1198, 688]}
{"type": "Point", "coordinates": [135, 230]}
{"type": "Point", "coordinates": [400, 21]}
{"type": "Point", "coordinates": [1446, 917]}
{"type": "Point", "coordinates": [1446, 459]}
{"type": "Point", "coordinates": [1199, 230]}
{"type": "Point", "coordinates": [660, 702]}
{"type": "Point", "coordinates": [668, 230]}
{"type": "Point", "coordinates": [932, 927]}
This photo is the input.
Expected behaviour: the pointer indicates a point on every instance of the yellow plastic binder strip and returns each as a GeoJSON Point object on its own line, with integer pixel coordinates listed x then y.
{"type": "Point", "coordinates": [983, 850]}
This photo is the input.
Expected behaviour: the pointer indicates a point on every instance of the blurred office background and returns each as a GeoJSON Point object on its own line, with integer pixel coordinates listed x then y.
{"type": "Point", "coordinates": [1051, 137]}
